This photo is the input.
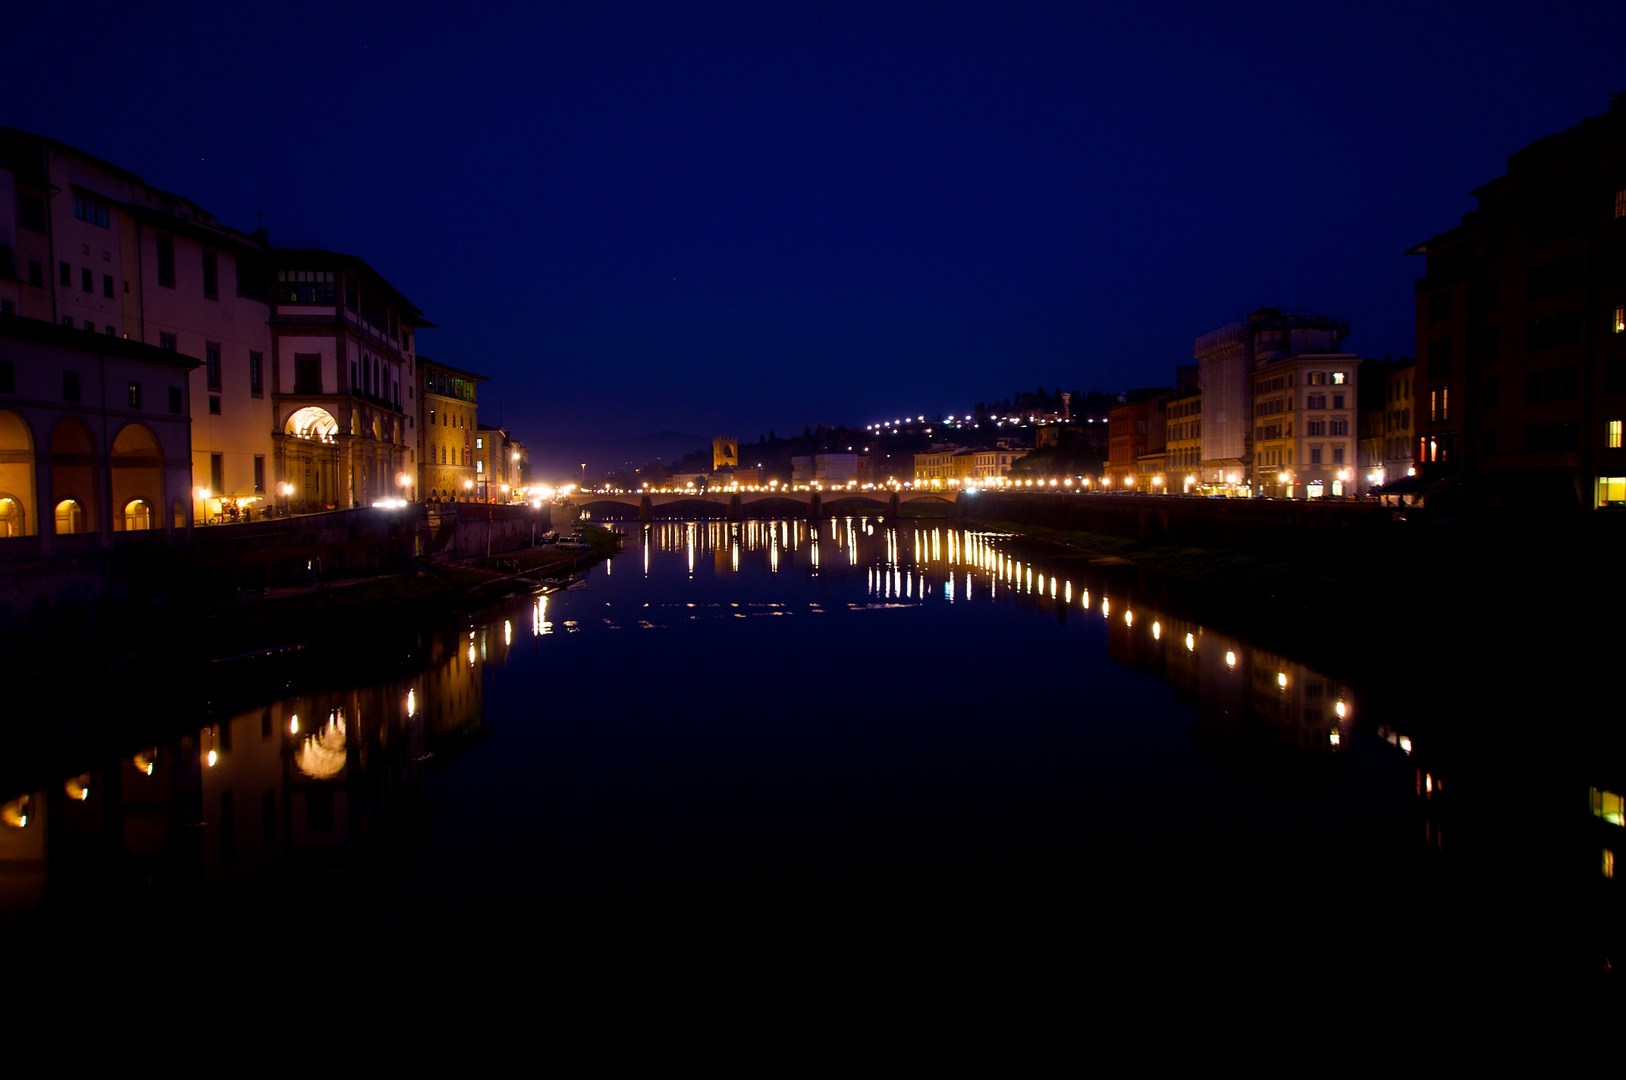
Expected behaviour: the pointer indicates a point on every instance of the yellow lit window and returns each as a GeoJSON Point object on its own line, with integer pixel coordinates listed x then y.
{"type": "Point", "coordinates": [1614, 434]}
{"type": "Point", "coordinates": [1338, 378]}
{"type": "Point", "coordinates": [1608, 863]}
{"type": "Point", "coordinates": [1609, 806]}
{"type": "Point", "coordinates": [1620, 319]}
{"type": "Point", "coordinates": [1611, 490]}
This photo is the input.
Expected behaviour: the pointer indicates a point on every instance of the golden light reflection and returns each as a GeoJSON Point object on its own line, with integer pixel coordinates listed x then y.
{"type": "Point", "coordinates": [15, 813]}
{"type": "Point", "coordinates": [1157, 631]}
{"type": "Point", "coordinates": [471, 653]}
{"type": "Point", "coordinates": [1129, 618]}
{"type": "Point", "coordinates": [293, 724]}
{"type": "Point", "coordinates": [1106, 608]}
{"type": "Point", "coordinates": [322, 755]}
{"type": "Point", "coordinates": [507, 632]}
{"type": "Point", "coordinates": [212, 759]}
{"type": "Point", "coordinates": [78, 788]}
{"type": "Point", "coordinates": [412, 703]}
{"type": "Point", "coordinates": [1281, 679]}
{"type": "Point", "coordinates": [1341, 709]}
{"type": "Point", "coordinates": [146, 761]}
{"type": "Point", "coordinates": [1230, 658]}
{"type": "Point", "coordinates": [1191, 643]}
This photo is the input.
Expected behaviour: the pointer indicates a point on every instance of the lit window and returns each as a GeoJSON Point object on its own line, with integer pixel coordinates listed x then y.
{"type": "Point", "coordinates": [1611, 490]}
{"type": "Point", "coordinates": [1609, 806]}
{"type": "Point", "coordinates": [1338, 378]}
{"type": "Point", "coordinates": [1614, 434]}
{"type": "Point", "coordinates": [1620, 319]}
{"type": "Point", "coordinates": [1608, 863]}
{"type": "Point", "coordinates": [305, 286]}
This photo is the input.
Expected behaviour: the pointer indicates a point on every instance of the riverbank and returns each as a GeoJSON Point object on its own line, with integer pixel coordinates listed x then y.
{"type": "Point", "coordinates": [1418, 603]}
{"type": "Point", "coordinates": [356, 609]}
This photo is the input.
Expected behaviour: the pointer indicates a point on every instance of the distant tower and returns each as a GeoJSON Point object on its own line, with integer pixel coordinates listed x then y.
{"type": "Point", "coordinates": [1066, 404]}
{"type": "Point", "coordinates": [725, 452]}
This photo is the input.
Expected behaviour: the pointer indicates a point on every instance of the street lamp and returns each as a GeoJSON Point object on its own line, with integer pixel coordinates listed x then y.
{"type": "Point", "coordinates": [584, 477]}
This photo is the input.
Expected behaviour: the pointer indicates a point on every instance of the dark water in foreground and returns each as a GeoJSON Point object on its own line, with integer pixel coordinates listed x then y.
{"type": "Point", "coordinates": [896, 740]}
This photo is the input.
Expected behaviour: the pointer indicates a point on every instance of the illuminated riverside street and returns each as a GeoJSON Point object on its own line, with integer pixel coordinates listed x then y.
{"type": "Point", "coordinates": [778, 735]}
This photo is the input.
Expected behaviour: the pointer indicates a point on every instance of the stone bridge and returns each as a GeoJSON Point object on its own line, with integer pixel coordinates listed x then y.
{"type": "Point", "coordinates": [738, 505]}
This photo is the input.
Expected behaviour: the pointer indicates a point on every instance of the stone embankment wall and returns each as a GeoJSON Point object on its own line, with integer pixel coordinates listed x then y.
{"type": "Point", "coordinates": [293, 550]}
{"type": "Point", "coordinates": [1241, 524]}
{"type": "Point", "coordinates": [83, 576]}
{"type": "Point", "coordinates": [502, 528]}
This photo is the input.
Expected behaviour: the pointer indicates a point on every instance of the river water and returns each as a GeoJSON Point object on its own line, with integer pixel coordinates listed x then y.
{"type": "Point", "coordinates": [774, 739]}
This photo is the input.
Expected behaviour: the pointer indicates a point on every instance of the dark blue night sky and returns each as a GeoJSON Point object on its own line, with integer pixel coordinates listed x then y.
{"type": "Point", "coordinates": [721, 218]}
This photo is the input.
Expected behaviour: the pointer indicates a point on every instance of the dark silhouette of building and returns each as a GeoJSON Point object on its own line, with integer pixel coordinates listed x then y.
{"type": "Point", "coordinates": [1521, 329]}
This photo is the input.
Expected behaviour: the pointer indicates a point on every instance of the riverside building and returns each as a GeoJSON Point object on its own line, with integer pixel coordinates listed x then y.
{"type": "Point", "coordinates": [95, 248]}
{"type": "Point", "coordinates": [341, 378]}
{"type": "Point", "coordinates": [296, 402]}
{"type": "Point", "coordinates": [1227, 359]}
{"type": "Point", "coordinates": [93, 440]}
{"type": "Point", "coordinates": [1304, 440]}
{"type": "Point", "coordinates": [447, 422]}
{"type": "Point", "coordinates": [1521, 330]}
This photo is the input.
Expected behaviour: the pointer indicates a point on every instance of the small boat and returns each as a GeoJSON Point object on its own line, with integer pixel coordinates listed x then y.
{"type": "Point", "coordinates": [576, 586]}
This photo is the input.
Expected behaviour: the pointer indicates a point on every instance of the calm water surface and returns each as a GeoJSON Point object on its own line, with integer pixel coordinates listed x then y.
{"type": "Point", "coordinates": [776, 738]}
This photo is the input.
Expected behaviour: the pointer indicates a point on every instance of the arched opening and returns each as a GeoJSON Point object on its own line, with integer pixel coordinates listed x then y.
{"type": "Point", "coordinates": [310, 458]}
{"type": "Point", "coordinates": [312, 422]}
{"type": "Point", "coordinates": [137, 516]}
{"type": "Point", "coordinates": [16, 475]}
{"type": "Point", "coordinates": [137, 466]}
{"type": "Point", "coordinates": [70, 518]}
{"type": "Point", "coordinates": [74, 467]}
{"type": "Point", "coordinates": [13, 521]}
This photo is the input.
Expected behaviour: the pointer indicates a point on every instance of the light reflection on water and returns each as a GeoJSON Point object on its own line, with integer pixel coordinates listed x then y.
{"type": "Point", "coordinates": [299, 786]}
{"type": "Point", "coordinates": [268, 790]}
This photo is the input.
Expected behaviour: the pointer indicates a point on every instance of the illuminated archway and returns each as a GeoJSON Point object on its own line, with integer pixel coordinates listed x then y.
{"type": "Point", "coordinates": [309, 462]}
{"type": "Point", "coordinates": [16, 474]}
{"type": "Point", "coordinates": [137, 516]}
{"type": "Point", "coordinates": [74, 477]}
{"type": "Point", "coordinates": [70, 518]}
{"type": "Point", "coordinates": [137, 474]}
{"type": "Point", "coordinates": [312, 422]}
{"type": "Point", "coordinates": [13, 519]}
